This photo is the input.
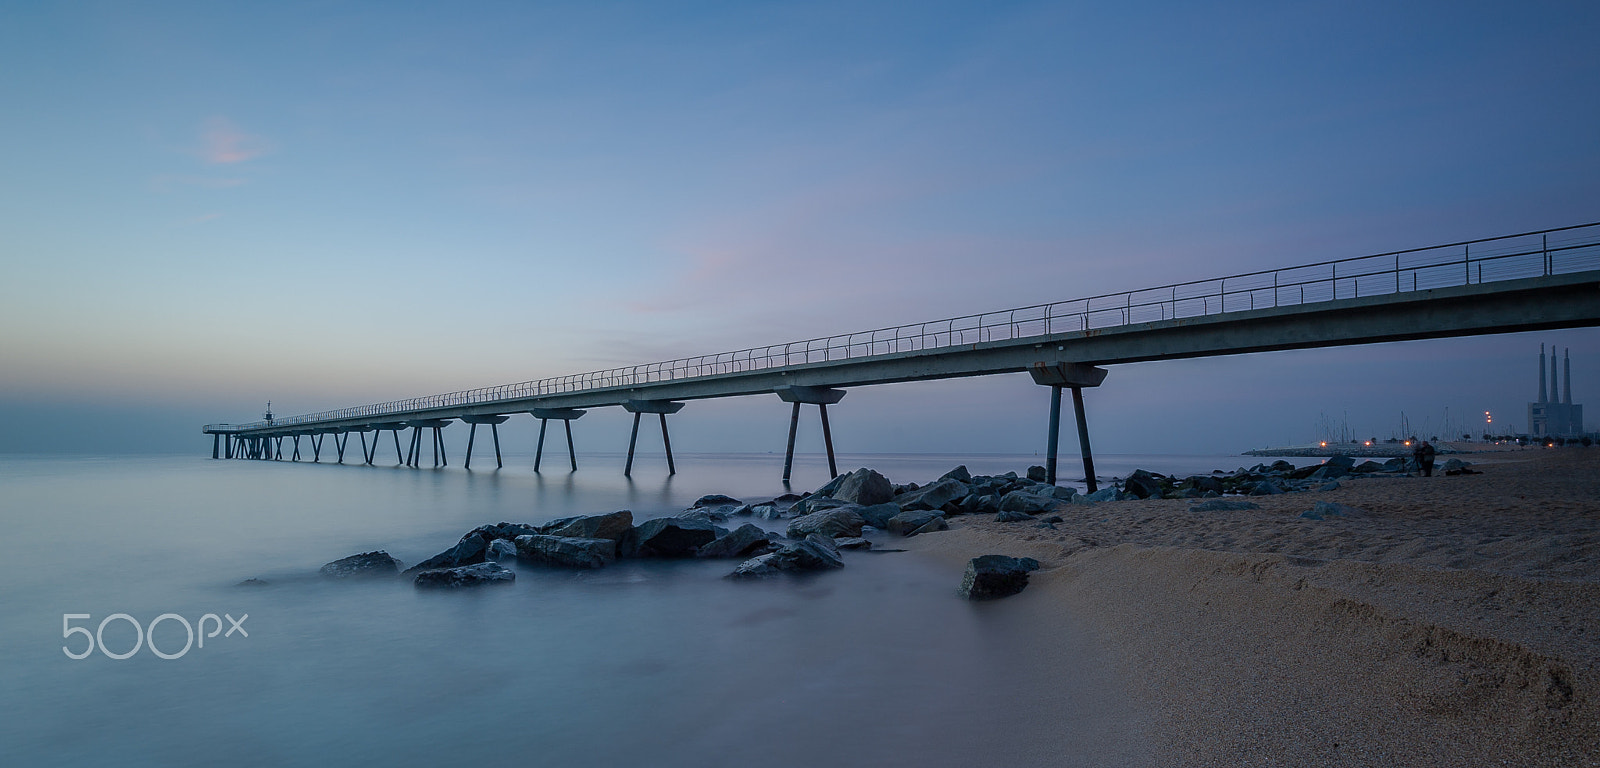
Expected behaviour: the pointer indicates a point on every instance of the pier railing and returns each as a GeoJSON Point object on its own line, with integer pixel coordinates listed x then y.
{"type": "Point", "coordinates": [1558, 251]}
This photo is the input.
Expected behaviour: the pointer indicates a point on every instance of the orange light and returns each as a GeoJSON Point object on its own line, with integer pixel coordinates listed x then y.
{"type": "Point", "coordinates": [1369, 442]}
{"type": "Point", "coordinates": [1408, 442]}
{"type": "Point", "coordinates": [1324, 443]}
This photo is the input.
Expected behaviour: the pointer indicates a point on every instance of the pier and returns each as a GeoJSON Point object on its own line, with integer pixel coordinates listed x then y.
{"type": "Point", "coordinates": [1524, 282]}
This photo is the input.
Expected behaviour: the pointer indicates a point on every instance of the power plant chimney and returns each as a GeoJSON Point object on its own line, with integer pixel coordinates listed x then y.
{"type": "Point", "coordinates": [1555, 391]}
{"type": "Point", "coordinates": [1542, 397]}
{"type": "Point", "coordinates": [1566, 384]}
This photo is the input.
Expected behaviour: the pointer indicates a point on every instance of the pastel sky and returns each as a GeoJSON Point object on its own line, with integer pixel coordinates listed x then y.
{"type": "Point", "coordinates": [204, 206]}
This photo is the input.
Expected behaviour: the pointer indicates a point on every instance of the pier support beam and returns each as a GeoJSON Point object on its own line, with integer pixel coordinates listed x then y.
{"type": "Point", "coordinates": [340, 443]}
{"type": "Point", "coordinates": [822, 397]}
{"type": "Point", "coordinates": [494, 423]}
{"type": "Point", "coordinates": [296, 456]}
{"type": "Point", "coordinates": [566, 417]}
{"type": "Point", "coordinates": [1075, 376]}
{"type": "Point", "coordinates": [316, 447]}
{"type": "Point", "coordinates": [216, 445]}
{"type": "Point", "coordinates": [661, 408]}
{"type": "Point", "coordinates": [435, 425]}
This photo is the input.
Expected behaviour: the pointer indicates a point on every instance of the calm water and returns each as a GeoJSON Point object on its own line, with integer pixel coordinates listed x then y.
{"type": "Point", "coordinates": [644, 663]}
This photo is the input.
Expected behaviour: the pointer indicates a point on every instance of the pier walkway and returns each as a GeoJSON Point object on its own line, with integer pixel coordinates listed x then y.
{"type": "Point", "coordinates": [1524, 282]}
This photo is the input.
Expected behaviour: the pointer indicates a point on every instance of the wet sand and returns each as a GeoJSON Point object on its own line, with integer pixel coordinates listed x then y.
{"type": "Point", "coordinates": [1455, 621]}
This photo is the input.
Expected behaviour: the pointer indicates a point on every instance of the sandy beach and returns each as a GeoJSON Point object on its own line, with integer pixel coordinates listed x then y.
{"type": "Point", "coordinates": [1455, 621]}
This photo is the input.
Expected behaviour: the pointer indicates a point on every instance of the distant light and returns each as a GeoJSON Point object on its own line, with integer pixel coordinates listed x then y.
{"type": "Point", "coordinates": [1369, 442]}
{"type": "Point", "coordinates": [1324, 443]}
{"type": "Point", "coordinates": [1408, 442]}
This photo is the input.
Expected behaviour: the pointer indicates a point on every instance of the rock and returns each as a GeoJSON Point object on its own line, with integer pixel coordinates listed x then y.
{"type": "Point", "coordinates": [252, 583]}
{"type": "Point", "coordinates": [995, 576]}
{"type": "Point", "coordinates": [568, 551]}
{"type": "Point", "coordinates": [815, 553]}
{"type": "Point", "coordinates": [613, 526]}
{"type": "Point", "coordinates": [878, 515]}
{"type": "Point", "coordinates": [1368, 467]}
{"type": "Point", "coordinates": [668, 537]}
{"type": "Point", "coordinates": [1037, 474]}
{"type": "Point", "coordinates": [959, 474]}
{"type": "Point", "coordinates": [934, 496]}
{"type": "Point", "coordinates": [1013, 516]}
{"type": "Point", "coordinates": [767, 512]}
{"type": "Point", "coordinates": [501, 549]}
{"type": "Point", "coordinates": [864, 487]}
{"type": "Point", "coordinates": [1053, 519]}
{"type": "Point", "coordinates": [1063, 492]}
{"type": "Point", "coordinates": [476, 575]}
{"type": "Point", "coordinates": [1328, 472]}
{"type": "Point", "coordinates": [745, 541]}
{"type": "Point", "coordinates": [1394, 465]}
{"type": "Point", "coordinates": [744, 511]}
{"type": "Point", "coordinates": [828, 489]}
{"type": "Point", "coordinates": [715, 500]}
{"type": "Point", "coordinates": [815, 504]}
{"type": "Point", "coordinates": [708, 514]}
{"type": "Point", "coordinates": [1454, 464]}
{"type": "Point", "coordinates": [364, 565]}
{"type": "Point", "coordinates": [470, 550]}
{"type": "Point", "coordinates": [910, 521]}
{"type": "Point", "coordinates": [830, 523]}
{"type": "Point", "coordinates": [932, 526]}
{"type": "Point", "coordinates": [1104, 494]}
{"type": "Point", "coordinates": [501, 530]}
{"type": "Point", "coordinates": [1223, 505]}
{"type": "Point", "coordinates": [852, 542]}
{"type": "Point", "coordinates": [1342, 462]}
{"type": "Point", "coordinates": [1142, 485]}
{"type": "Point", "coordinates": [1023, 501]}
{"type": "Point", "coordinates": [1331, 485]}
{"type": "Point", "coordinates": [1265, 488]}
{"type": "Point", "coordinates": [788, 498]}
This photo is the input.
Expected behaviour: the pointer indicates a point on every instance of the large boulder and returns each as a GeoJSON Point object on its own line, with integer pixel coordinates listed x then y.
{"type": "Point", "coordinates": [745, 541]}
{"type": "Point", "coordinates": [477, 575]}
{"type": "Point", "coordinates": [1024, 501]}
{"type": "Point", "coordinates": [934, 496]}
{"type": "Point", "coordinates": [1013, 516]}
{"type": "Point", "coordinates": [811, 504]}
{"type": "Point", "coordinates": [864, 487]}
{"type": "Point", "coordinates": [932, 526]}
{"type": "Point", "coordinates": [364, 565]}
{"type": "Point", "coordinates": [878, 515]}
{"type": "Point", "coordinates": [815, 553]}
{"type": "Point", "coordinates": [1038, 474]}
{"type": "Point", "coordinates": [1142, 485]}
{"type": "Point", "coordinates": [1342, 462]}
{"type": "Point", "coordinates": [613, 526]}
{"type": "Point", "coordinates": [909, 521]}
{"type": "Point", "coordinates": [501, 530]}
{"type": "Point", "coordinates": [501, 549]}
{"type": "Point", "coordinates": [831, 523]}
{"type": "Point", "coordinates": [566, 551]}
{"type": "Point", "coordinates": [994, 576]}
{"type": "Point", "coordinates": [669, 537]}
{"type": "Point", "coordinates": [960, 473]}
{"type": "Point", "coordinates": [715, 500]}
{"type": "Point", "coordinates": [470, 550]}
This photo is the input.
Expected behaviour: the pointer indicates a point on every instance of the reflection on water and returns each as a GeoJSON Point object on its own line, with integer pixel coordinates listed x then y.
{"type": "Point", "coordinates": [643, 663]}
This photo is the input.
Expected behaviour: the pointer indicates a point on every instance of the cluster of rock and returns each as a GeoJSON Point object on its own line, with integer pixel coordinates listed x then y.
{"type": "Point", "coordinates": [1270, 479]}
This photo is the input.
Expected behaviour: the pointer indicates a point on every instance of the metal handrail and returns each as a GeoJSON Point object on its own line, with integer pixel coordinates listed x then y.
{"type": "Point", "coordinates": [1411, 270]}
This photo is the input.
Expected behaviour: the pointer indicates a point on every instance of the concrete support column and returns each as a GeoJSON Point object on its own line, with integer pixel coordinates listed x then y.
{"type": "Point", "coordinates": [822, 397]}
{"type": "Point", "coordinates": [1075, 376]}
{"type": "Point", "coordinates": [661, 408]}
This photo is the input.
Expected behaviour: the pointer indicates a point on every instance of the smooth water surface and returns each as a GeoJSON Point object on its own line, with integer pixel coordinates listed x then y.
{"type": "Point", "coordinates": [644, 663]}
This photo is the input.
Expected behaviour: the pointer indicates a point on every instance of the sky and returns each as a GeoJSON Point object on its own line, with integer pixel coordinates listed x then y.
{"type": "Point", "coordinates": [206, 206]}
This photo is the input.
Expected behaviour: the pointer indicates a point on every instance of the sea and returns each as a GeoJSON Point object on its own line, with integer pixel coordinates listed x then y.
{"type": "Point", "coordinates": [127, 639]}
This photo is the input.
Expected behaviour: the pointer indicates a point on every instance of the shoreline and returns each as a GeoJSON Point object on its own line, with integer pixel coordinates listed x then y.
{"type": "Point", "coordinates": [1450, 623]}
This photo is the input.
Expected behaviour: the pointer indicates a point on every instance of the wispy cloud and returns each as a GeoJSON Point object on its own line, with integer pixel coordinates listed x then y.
{"type": "Point", "coordinates": [224, 143]}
